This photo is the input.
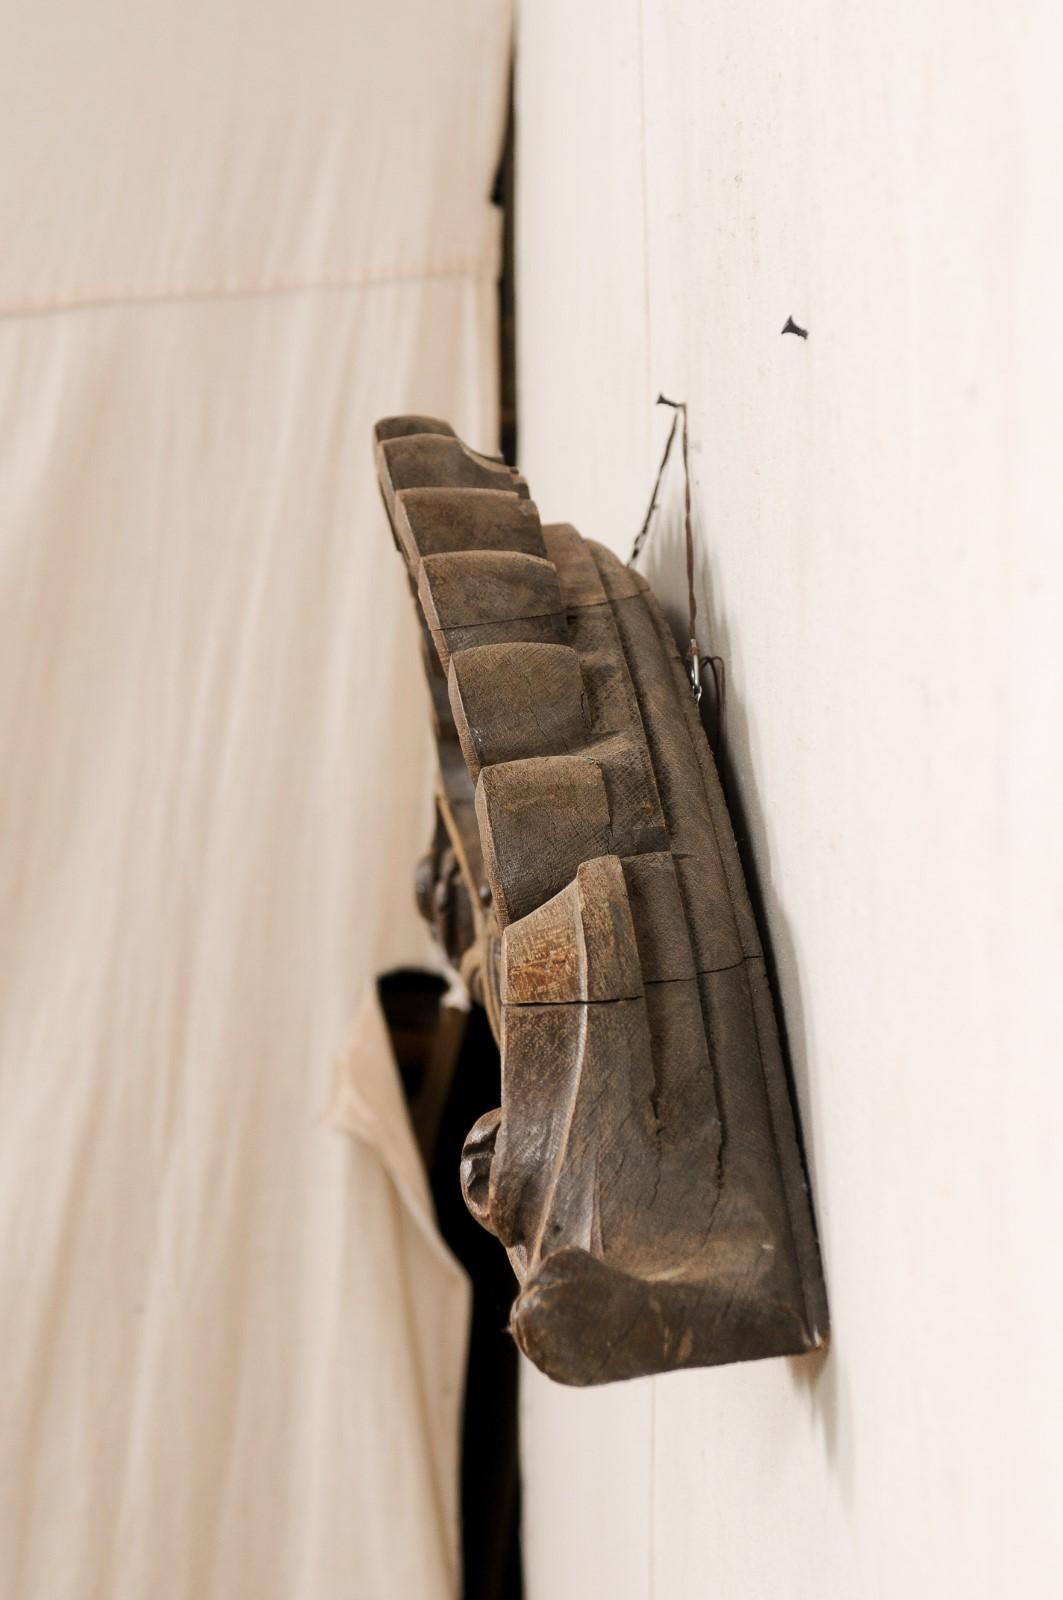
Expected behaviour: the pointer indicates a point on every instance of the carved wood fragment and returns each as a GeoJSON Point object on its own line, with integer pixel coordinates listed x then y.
{"type": "Point", "coordinates": [643, 1170]}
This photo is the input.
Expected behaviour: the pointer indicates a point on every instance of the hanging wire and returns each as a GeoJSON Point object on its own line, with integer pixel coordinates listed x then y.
{"type": "Point", "coordinates": [694, 659]}
{"type": "Point", "coordinates": [640, 537]}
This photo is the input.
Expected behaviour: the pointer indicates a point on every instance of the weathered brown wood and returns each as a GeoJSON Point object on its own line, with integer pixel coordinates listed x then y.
{"type": "Point", "coordinates": [539, 819]}
{"type": "Point", "coordinates": [618, 581]}
{"type": "Point", "coordinates": [636, 820]}
{"type": "Point", "coordinates": [431, 522]}
{"type": "Point", "coordinates": [578, 946]}
{"type": "Point", "coordinates": [574, 1076]}
{"type": "Point", "coordinates": [514, 700]}
{"type": "Point", "coordinates": [405, 427]}
{"type": "Point", "coordinates": [548, 629]}
{"type": "Point", "coordinates": [466, 588]}
{"type": "Point", "coordinates": [576, 571]}
{"type": "Point", "coordinates": [659, 917]}
{"type": "Point", "coordinates": [643, 1170]}
{"type": "Point", "coordinates": [438, 461]}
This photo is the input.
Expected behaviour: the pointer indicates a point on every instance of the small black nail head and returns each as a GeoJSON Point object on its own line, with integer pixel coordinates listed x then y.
{"type": "Point", "coordinates": [791, 327]}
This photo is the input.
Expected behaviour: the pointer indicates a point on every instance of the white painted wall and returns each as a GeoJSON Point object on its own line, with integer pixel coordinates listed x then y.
{"type": "Point", "coordinates": [878, 511]}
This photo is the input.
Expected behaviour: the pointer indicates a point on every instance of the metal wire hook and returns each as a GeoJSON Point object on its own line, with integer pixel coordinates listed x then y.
{"type": "Point", "coordinates": [693, 656]}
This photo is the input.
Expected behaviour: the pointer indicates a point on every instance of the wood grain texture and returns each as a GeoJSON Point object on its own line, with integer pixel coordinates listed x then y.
{"type": "Point", "coordinates": [539, 819]}
{"type": "Point", "coordinates": [438, 461]}
{"type": "Point", "coordinates": [467, 588]}
{"type": "Point", "coordinates": [513, 700]}
{"type": "Point", "coordinates": [643, 1170]}
{"type": "Point", "coordinates": [432, 522]}
{"type": "Point", "coordinates": [580, 945]}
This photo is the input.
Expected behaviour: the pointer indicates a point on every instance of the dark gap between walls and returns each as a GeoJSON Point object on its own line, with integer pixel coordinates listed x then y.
{"type": "Point", "coordinates": [450, 1075]}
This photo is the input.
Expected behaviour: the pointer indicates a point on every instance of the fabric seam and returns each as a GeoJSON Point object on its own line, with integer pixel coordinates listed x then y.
{"type": "Point", "coordinates": [105, 300]}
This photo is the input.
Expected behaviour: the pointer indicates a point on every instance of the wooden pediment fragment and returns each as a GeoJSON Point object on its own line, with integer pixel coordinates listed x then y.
{"type": "Point", "coordinates": [643, 1169]}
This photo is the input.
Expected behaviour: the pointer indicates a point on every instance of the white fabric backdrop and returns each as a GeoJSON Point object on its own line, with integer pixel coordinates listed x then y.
{"type": "Point", "coordinates": [231, 1341]}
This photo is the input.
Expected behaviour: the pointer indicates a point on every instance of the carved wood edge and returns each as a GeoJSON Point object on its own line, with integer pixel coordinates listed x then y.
{"type": "Point", "coordinates": [643, 1169]}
